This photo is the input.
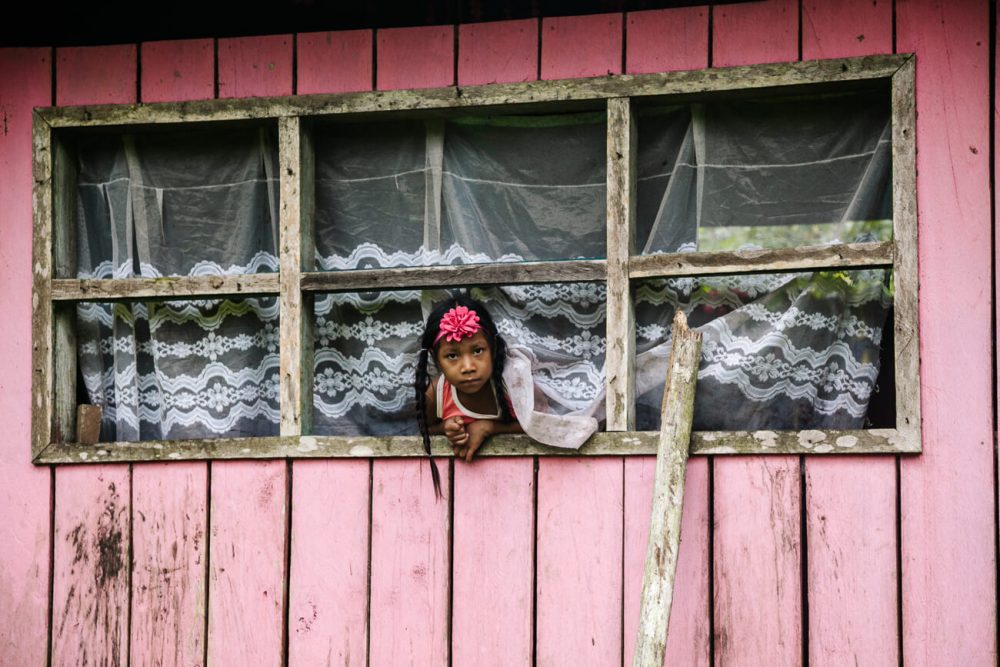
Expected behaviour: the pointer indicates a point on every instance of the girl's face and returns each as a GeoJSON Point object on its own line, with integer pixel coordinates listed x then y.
{"type": "Point", "coordinates": [466, 364]}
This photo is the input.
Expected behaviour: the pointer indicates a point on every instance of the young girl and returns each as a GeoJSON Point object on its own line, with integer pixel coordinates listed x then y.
{"type": "Point", "coordinates": [468, 401]}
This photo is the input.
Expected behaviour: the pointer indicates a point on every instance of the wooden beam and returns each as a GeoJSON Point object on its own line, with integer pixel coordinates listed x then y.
{"type": "Point", "coordinates": [41, 300]}
{"type": "Point", "coordinates": [802, 258]}
{"type": "Point", "coordinates": [677, 416]}
{"type": "Point", "coordinates": [171, 287]}
{"type": "Point", "coordinates": [904, 218]}
{"type": "Point", "coordinates": [620, 320]}
{"type": "Point", "coordinates": [789, 76]}
{"type": "Point", "coordinates": [512, 273]}
{"type": "Point", "coordinates": [631, 443]}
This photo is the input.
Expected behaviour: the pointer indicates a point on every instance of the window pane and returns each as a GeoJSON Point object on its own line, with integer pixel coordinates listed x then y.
{"type": "Point", "coordinates": [366, 351]}
{"type": "Point", "coordinates": [765, 174]}
{"type": "Point", "coordinates": [181, 369]}
{"type": "Point", "coordinates": [779, 351]}
{"type": "Point", "coordinates": [470, 190]}
{"type": "Point", "coordinates": [175, 203]}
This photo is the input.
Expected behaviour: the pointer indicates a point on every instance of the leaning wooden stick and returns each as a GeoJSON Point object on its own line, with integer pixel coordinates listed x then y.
{"type": "Point", "coordinates": [668, 495]}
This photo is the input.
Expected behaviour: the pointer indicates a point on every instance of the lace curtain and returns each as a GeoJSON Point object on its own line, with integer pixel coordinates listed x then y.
{"type": "Point", "coordinates": [780, 351]}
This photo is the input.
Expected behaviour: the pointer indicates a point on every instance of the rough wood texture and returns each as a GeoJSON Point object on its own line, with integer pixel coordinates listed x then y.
{"type": "Point", "coordinates": [328, 580]}
{"type": "Point", "coordinates": [602, 33]}
{"type": "Point", "coordinates": [296, 250]}
{"type": "Point", "coordinates": [64, 251]}
{"type": "Point", "coordinates": [25, 82]}
{"type": "Point", "coordinates": [787, 75]}
{"type": "Point", "coordinates": [947, 494]}
{"type": "Point", "coordinates": [41, 288]}
{"type": "Point", "coordinates": [88, 419]}
{"type": "Point", "coordinates": [497, 52]}
{"type": "Point", "coordinates": [580, 270]}
{"type": "Point", "coordinates": [90, 593]}
{"type": "Point", "coordinates": [579, 547]}
{"type": "Point", "coordinates": [333, 62]}
{"type": "Point", "coordinates": [689, 636]}
{"type": "Point", "coordinates": [620, 355]}
{"type": "Point", "coordinates": [750, 261]}
{"type": "Point", "coordinates": [761, 32]}
{"type": "Point", "coordinates": [850, 502]}
{"type": "Point", "coordinates": [758, 596]}
{"type": "Point", "coordinates": [255, 66]}
{"type": "Point", "coordinates": [247, 563]}
{"type": "Point", "coordinates": [492, 608]}
{"type": "Point", "coordinates": [178, 70]}
{"type": "Point", "coordinates": [662, 40]}
{"type": "Point", "coordinates": [906, 276]}
{"type": "Point", "coordinates": [170, 557]}
{"type": "Point", "coordinates": [180, 287]}
{"type": "Point", "coordinates": [409, 565]}
{"type": "Point", "coordinates": [631, 443]}
{"type": "Point", "coordinates": [677, 415]}
{"type": "Point", "coordinates": [415, 57]}
{"type": "Point", "coordinates": [852, 576]}
{"type": "Point", "coordinates": [80, 82]}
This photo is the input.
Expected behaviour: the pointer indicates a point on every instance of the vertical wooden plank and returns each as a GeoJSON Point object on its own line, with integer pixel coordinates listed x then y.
{"type": "Point", "coordinates": [178, 70]}
{"type": "Point", "coordinates": [247, 563]}
{"type": "Point", "coordinates": [688, 638]}
{"type": "Point", "coordinates": [410, 568]}
{"type": "Point", "coordinates": [666, 40]}
{"type": "Point", "coordinates": [95, 75]}
{"type": "Point", "coordinates": [579, 562]}
{"type": "Point", "coordinates": [92, 507]}
{"type": "Point", "coordinates": [947, 496]}
{"type": "Point", "coordinates": [562, 38]}
{"type": "Point", "coordinates": [850, 501]}
{"type": "Point", "coordinates": [328, 607]}
{"type": "Point", "coordinates": [494, 530]}
{"type": "Point", "coordinates": [497, 52]}
{"type": "Point", "coordinates": [758, 598]}
{"type": "Point", "coordinates": [493, 554]}
{"type": "Point", "coordinates": [619, 360]}
{"type": "Point", "coordinates": [169, 508]}
{"type": "Point", "coordinates": [90, 585]}
{"type": "Point", "coordinates": [851, 538]}
{"type": "Point", "coordinates": [249, 509]}
{"type": "Point", "coordinates": [846, 29]}
{"type": "Point", "coordinates": [329, 572]}
{"type": "Point", "coordinates": [255, 66]}
{"type": "Point", "coordinates": [580, 516]}
{"type": "Point", "coordinates": [334, 62]}
{"type": "Point", "coordinates": [758, 32]}
{"type": "Point", "coordinates": [757, 559]}
{"type": "Point", "coordinates": [415, 57]}
{"type": "Point", "coordinates": [25, 82]}
{"type": "Point", "coordinates": [170, 502]}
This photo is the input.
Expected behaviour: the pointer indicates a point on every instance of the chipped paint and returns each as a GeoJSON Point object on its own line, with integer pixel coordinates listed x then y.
{"type": "Point", "coordinates": [307, 443]}
{"type": "Point", "coordinates": [847, 441]}
{"type": "Point", "coordinates": [766, 439]}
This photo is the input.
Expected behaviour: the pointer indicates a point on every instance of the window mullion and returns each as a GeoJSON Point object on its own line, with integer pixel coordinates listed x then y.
{"type": "Point", "coordinates": [620, 356]}
{"type": "Point", "coordinates": [295, 247]}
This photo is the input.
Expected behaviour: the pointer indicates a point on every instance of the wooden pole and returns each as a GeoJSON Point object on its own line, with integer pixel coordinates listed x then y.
{"type": "Point", "coordinates": [668, 495]}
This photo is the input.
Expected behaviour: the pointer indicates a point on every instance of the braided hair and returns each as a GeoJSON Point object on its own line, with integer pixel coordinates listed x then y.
{"type": "Point", "coordinates": [428, 348]}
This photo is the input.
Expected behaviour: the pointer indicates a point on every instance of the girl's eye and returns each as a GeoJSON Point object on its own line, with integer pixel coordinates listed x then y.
{"type": "Point", "coordinates": [478, 350]}
{"type": "Point", "coordinates": [451, 356]}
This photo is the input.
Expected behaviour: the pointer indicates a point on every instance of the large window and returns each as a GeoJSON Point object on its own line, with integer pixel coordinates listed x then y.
{"type": "Point", "coordinates": [250, 279]}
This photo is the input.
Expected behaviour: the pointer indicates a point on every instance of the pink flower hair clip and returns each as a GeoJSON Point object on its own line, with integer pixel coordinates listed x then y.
{"type": "Point", "coordinates": [458, 323]}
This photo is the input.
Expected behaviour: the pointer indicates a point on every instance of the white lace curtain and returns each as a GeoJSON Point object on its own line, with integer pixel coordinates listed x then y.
{"type": "Point", "coordinates": [781, 351]}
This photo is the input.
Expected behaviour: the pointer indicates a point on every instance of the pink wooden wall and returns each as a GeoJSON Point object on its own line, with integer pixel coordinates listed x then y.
{"type": "Point", "coordinates": [783, 561]}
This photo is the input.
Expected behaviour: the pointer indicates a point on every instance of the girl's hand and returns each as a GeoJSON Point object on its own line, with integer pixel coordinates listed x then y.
{"type": "Point", "coordinates": [454, 430]}
{"type": "Point", "coordinates": [476, 434]}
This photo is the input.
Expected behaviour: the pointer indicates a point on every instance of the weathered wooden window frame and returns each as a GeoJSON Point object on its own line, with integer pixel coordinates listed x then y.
{"type": "Point", "coordinates": [54, 349]}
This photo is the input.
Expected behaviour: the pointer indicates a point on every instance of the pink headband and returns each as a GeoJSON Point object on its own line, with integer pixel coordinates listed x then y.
{"type": "Point", "coordinates": [458, 323]}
